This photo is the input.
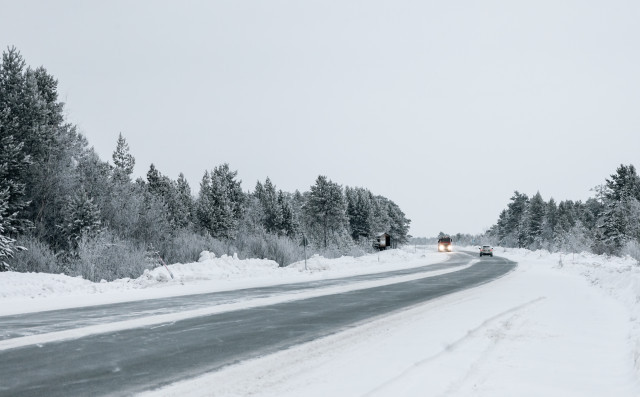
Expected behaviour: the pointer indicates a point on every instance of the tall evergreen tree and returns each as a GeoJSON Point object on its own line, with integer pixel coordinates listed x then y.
{"type": "Point", "coordinates": [272, 217]}
{"type": "Point", "coordinates": [621, 196]}
{"type": "Point", "coordinates": [379, 220]}
{"type": "Point", "coordinates": [123, 161]}
{"type": "Point", "coordinates": [82, 219]}
{"type": "Point", "coordinates": [325, 208]}
{"type": "Point", "coordinates": [399, 230]}
{"type": "Point", "coordinates": [13, 165]}
{"type": "Point", "coordinates": [625, 183]}
{"type": "Point", "coordinates": [184, 214]}
{"type": "Point", "coordinates": [288, 225]}
{"type": "Point", "coordinates": [220, 202]}
{"type": "Point", "coordinates": [31, 113]}
{"type": "Point", "coordinates": [549, 223]}
{"type": "Point", "coordinates": [7, 244]}
{"type": "Point", "coordinates": [513, 230]}
{"type": "Point", "coordinates": [360, 212]}
{"type": "Point", "coordinates": [535, 222]}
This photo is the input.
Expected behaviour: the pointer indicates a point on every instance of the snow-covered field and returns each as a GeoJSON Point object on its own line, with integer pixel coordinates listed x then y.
{"type": "Point", "coordinates": [559, 325]}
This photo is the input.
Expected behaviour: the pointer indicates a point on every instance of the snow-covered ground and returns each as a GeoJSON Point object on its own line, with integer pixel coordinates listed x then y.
{"type": "Point", "coordinates": [559, 325]}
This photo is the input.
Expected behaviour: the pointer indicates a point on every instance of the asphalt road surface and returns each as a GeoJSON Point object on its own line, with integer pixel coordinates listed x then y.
{"type": "Point", "coordinates": [134, 360]}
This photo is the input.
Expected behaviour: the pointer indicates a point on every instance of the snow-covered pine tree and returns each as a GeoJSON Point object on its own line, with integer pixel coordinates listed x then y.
{"type": "Point", "coordinates": [591, 212]}
{"type": "Point", "coordinates": [176, 196]}
{"type": "Point", "coordinates": [512, 233]}
{"type": "Point", "coordinates": [359, 211]}
{"type": "Point", "coordinates": [14, 130]}
{"type": "Point", "coordinates": [325, 209]}
{"type": "Point", "coordinates": [204, 204]}
{"type": "Point", "coordinates": [7, 244]}
{"type": "Point", "coordinates": [566, 217]}
{"type": "Point", "coordinates": [621, 192]}
{"type": "Point", "coordinates": [288, 224]}
{"type": "Point", "coordinates": [123, 161]}
{"type": "Point", "coordinates": [499, 230]}
{"type": "Point", "coordinates": [535, 222]}
{"type": "Point", "coordinates": [13, 96]}
{"type": "Point", "coordinates": [184, 215]}
{"type": "Point", "coordinates": [399, 230]}
{"type": "Point", "coordinates": [549, 224]}
{"type": "Point", "coordinates": [379, 219]}
{"type": "Point", "coordinates": [13, 166]}
{"type": "Point", "coordinates": [82, 219]}
{"type": "Point", "coordinates": [154, 181]}
{"type": "Point", "coordinates": [220, 202]}
{"type": "Point", "coordinates": [272, 211]}
{"type": "Point", "coordinates": [623, 184]}
{"type": "Point", "coordinates": [29, 109]}
{"type": "Point", "coordinates": [31, 113]}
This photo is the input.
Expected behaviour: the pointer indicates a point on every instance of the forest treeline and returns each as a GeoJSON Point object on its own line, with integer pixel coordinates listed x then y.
{"type": "Point", "coordinates": [608, 223]}
{"type": "Point", "coordinates": [65, 210]}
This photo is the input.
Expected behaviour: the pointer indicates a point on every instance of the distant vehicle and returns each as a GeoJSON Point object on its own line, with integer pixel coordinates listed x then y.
{"type": "Point", "coordinates": [486, 250]}
{"type": "Point", "coordinates": [444, 244]}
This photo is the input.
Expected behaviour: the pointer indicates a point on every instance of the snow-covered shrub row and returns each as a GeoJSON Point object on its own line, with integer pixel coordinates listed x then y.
{"type": "Point", "coordinates": [108, 257]}
{"type": "Point", "coordinates": [185, 246]}
{"type": "Point", "coordinates": [37, 256]}
{"type": "Point", "coordinates": [211, 272]}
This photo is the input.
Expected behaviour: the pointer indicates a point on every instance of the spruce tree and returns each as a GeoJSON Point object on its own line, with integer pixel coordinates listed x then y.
{"type": "Point", "coordinates": [379, 220]}
{"type": "Point", "coordinates": [325, 208]}
{"type": "Point", "coordinates": [82, 219]}
{"type": "Point", "coordinates": [549, 223]}
{"type": "Point", "coordinates": [13, 166]}
{"type": "Point", "coordinates": [360, 212]}
{"type": "Point", "coordinates": [7, 244]}
{"type": "Point", "coordinates": [174, 195]}
{"type": "Point", "coordinates": [535, 222]}
{"type": "Point", "coordinates": [399, 230]}
{"type": "Point", "coordinates": [288, 224]}
{"type": "Point", "coordinates": [625, 183]}
{"type": "Point", "coordinates": [513, 230]}
{"type": "Point", "coordinates": [123, 161]}
{"type": "Point", "coordinates": [621, 193]}
{"type": "Point", "coordinates": [220, 202]}
{"type": "Point", "coordinates": [271, 209]}
{"type": "Point", "coordinates": [184, 215]}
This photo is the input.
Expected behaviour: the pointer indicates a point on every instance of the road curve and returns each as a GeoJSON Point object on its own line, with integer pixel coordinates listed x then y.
{"type": "Point", "coordinates": [134, 360]}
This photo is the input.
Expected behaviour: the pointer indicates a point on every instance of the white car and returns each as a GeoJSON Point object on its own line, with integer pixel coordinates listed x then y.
{"type": "Point", "coordinates": [486, 250]}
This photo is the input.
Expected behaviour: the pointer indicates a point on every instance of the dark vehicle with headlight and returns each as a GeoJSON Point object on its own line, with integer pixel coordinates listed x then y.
{"type": "Point", "coordinates": [444, 244]}
{"type": "Point", "coordinates": [486, 250]}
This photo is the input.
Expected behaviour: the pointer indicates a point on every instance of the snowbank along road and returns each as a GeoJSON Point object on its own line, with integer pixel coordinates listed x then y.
{"type": "Point", "coordinates": [130, 347]}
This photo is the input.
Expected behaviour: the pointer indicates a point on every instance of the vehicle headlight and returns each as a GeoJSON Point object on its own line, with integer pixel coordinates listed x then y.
{"type": "Point", "coordinates": [441, 247]}
{"type": "Point", "coordinates": [450, 248]}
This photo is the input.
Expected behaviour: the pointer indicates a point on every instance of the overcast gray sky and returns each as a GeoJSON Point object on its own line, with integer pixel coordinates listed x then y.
{"type": "Point", "coordinates": [444, 107]}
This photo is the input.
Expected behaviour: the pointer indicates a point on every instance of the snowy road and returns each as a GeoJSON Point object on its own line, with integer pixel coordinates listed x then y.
{"type": "Point", "coordinates": [57, 320]}
{"type": "Point", "coordinates": [134, 359]}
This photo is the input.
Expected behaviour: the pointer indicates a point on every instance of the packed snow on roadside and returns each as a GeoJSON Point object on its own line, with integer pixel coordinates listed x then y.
{"type": "Point", "coordinates": [559, 325]}
{"type": "Point", "coordinates": [28, 292]}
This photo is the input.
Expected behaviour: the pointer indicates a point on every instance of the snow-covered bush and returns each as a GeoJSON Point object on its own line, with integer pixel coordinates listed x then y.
{"type": "Point", "coordinates": [37, 257]}
{"type": "Point", "coordinates": [632, 248]}
{"type": "Point", "coordinates": [186, 246]}
{"type": "Point", "coordinates": [108, 257]}
{"type": "Point", "coordinates": [281, 249]}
